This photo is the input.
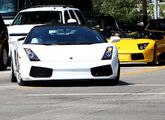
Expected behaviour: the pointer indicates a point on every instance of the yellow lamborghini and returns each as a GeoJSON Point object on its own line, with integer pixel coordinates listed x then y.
{"type": "Point", "coordinates": [148, 48]}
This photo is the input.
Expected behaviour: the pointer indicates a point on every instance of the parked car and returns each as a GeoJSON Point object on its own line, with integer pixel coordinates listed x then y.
{"type": "Point", "coordinates": [148, 47]}
{"type": "Point", "coordinates": [106, 24]}
{"type": "Point", "coordinates": [65, 52]}
{"type": "Point", "coordinates": [3, 45]}
{"type": "Point", "coordinates": [28, 18]}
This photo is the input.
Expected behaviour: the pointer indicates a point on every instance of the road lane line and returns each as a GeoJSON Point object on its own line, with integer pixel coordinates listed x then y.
{"type": "Point", "coordinates": [143, 71]}
{"type": "Point", "coordinates": [148, 85]}
{"type": "Point", "coordinates": [95, 94]}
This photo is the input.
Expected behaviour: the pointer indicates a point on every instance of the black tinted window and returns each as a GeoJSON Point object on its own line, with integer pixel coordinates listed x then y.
{"type": "Point", "coordinates": [8, 6]}
{"type": "Point", "coordinates": [66, 15]}
{"type": "Point", "coordinates": [156, 26]}
{"type": "Point", "coordinates": [72, 14]}
{"type": "Point", "coordinates": [63, 35]}
{"type": "Point", "coordinates": [38, 18]}
{"type": "Point", "coordinates": [80, 16]}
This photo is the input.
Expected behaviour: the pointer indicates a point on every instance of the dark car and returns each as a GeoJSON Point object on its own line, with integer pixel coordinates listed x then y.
{"type": "Point", "coordinates": [3, 45]}
{"type": "Point", "coordinates": [106, 24]}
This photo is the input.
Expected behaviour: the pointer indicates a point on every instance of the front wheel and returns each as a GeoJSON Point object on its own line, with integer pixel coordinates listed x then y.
{"type": "Point", "coordinates": [19, 78]}
{"type": "Point", "coordinates": [20, 81]}
{"type": "Point", "coordinates": [155, 58]}
{"type": "Point", "coordinates": [4, 58]}
{"type": "Point", "coordinates": [116, 80]}
{"type": "Point", "coordinates": [13, 78]}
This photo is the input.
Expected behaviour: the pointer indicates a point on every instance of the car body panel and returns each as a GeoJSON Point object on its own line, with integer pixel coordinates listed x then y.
{"type": "Point", "coordinates": [65, 68]}
{"type": "Point", "coordinates": [126, 47]}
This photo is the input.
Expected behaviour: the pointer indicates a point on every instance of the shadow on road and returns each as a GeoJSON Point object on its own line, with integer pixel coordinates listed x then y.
{"type": "Point", "coordinates": [73, 83]}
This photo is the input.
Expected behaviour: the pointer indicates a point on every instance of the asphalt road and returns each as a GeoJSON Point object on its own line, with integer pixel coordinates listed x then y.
{"type": "Point", "coordinates": [140, 95]}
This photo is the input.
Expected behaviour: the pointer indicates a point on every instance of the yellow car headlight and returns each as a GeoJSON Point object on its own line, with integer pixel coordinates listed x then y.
{"type": "Point", "coordinates": [142, 46]}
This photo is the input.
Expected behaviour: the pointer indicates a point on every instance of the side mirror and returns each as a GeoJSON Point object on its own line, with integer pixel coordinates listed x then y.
{"type": "Point", "coordinates": [114, 39]}
{"type": "Point", "coordinates": [71, 21]}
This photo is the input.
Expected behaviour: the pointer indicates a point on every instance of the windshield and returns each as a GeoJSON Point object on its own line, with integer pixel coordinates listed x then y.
{"type": "Point", "coordinates": [8, 6]}
{"type": "Point", "coordinates": [63, 35]}
{"type": "Point", "coordinates": [156, 25]}
{"type": "Point", "coordinates": [39, 17]}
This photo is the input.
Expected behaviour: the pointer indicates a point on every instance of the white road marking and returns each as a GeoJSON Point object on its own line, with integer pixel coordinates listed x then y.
{"type": "Point", "coordinates": [148, 85]}
{"type": "Point", "coordinates": [95, 94]}
{"type": "Point", "coordinates": [10, 86]}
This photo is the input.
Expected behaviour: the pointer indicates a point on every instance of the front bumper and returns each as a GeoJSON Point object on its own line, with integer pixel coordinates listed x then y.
{"type": "Point", "coordinates": [137, 56]}
{"type": "Point", "coordinates": [36, 71]}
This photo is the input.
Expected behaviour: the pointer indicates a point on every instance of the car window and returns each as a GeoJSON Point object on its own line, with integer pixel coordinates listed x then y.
{"type": "Point", "coordinates": [63, 36]}
{"type": "Point", "coordinates": [72, 14]}
{"type": "Point", "coordinates": [80, 16]}
{"type": "Point", "coordinates": [66, 15]}
{"type": "Point", "coordinates": [8, 6]}
{"type": "Point", "coordinates": [156, 26]}
{"type": "Point", "coordinates": [38, 17]}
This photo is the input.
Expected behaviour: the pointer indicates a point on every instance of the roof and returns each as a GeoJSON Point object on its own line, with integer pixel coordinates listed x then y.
{"type": "Point", "coordinates": [61, 25]}
{"type": "Point", "coordinates": [49, 8]}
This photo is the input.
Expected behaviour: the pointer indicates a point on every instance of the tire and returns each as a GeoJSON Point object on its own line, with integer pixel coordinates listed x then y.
{"type": "Point", "coordinates": [13, 78]}
{"type": "Point", "coordinates": [21, 82]}
{"type": "Point", "coordinates": [116, 80]}
{"type": "Point", "coordinates": [4, 58]}
{"type": "Point", "coordinates": [19, 79]}
{"type": "Point", "coordinates": [155, 58]}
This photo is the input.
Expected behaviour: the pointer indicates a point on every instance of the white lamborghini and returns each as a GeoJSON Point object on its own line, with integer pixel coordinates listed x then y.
{"type": "Point", "coordinates": [64, 52]}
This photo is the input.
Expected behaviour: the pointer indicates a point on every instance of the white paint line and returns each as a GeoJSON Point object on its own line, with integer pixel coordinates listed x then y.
{"type": "Point", "coordinates": [148, 85]}
{"type": "Point", "coordinates": [95, 94]}
{"type": "Point", "coordinates": [10, 86]}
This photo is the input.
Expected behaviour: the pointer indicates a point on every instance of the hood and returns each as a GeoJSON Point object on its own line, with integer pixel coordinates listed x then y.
{"type": "Point", "coordinates": [20, 29]}
{"type": "Point", "coordinates": [125, 45]}
{"type": "Point", "coordinates": [52, 53]}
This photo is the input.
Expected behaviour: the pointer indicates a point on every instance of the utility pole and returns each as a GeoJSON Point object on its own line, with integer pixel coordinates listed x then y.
{"type": "Point", "coordinates": [155, 9]}
{"type": "Point", "coordinates": [144, 10]}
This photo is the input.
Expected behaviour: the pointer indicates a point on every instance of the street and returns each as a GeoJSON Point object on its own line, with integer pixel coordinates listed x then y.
{"type": "Point", "coordinates": [140, 95]}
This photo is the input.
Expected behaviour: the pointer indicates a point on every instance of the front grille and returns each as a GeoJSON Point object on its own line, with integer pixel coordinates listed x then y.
{"type": "Point", "coordinates": [138, 56]}
{"type": "Point", "coordinates": [40, 72]}
{"type": "Point", "coordinates": [101, 71]}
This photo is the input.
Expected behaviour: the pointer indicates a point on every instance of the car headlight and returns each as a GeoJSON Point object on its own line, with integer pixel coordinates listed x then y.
{"type": "Point", "coordinates": [32, 56]}
{"type": "Point", "coordinates": [142, 46]}
{"type": "Point", "coordinates": [108, 53]}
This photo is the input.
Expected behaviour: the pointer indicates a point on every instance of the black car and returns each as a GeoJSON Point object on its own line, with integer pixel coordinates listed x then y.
{"type": "Point", "coordinates": [106, 24]}
{"type": "Point", "coordinates": [3, 45]}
